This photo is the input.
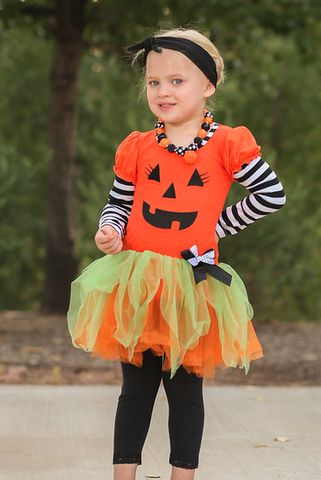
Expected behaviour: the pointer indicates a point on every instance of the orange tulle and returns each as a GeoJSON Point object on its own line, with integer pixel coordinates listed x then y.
{"type": "Point", "coordinates": [202, 360]}
{"type": "Point", "coordinates": [218, 333]}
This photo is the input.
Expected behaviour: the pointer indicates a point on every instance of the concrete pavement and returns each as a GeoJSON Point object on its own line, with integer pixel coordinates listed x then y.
{"type": "Point", "coordinates": [65, 432]}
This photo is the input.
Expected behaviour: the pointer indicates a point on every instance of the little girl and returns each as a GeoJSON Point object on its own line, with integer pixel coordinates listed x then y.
{"type": "Point", "coordinates": [159, 301]}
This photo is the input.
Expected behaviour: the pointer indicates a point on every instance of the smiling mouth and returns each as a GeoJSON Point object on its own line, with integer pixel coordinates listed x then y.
{"type": "Point", "coordinates": [166, 105]}
{"type": "Point", "coordinates": [164, 219]}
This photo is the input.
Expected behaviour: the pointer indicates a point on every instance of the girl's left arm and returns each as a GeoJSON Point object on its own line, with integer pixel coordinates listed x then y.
{"type": "Point", "coordinates": [266, 196]}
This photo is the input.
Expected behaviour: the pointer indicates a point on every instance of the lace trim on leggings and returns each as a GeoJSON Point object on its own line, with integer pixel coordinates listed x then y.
{"type": "Point", "coordinates": [121, 458]}
{"type": "Point", "coordinates": [188, 464]}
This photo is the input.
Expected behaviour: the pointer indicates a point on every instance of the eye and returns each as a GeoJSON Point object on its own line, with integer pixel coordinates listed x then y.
{"type": "Point", "coordinates": [197, 179]}
{"type": "Point", "coordinates": [153, 173]}
{"type": "Point", "coordinates": [153, 83]}
{"type": "Point", "coordinates": [177, 81]}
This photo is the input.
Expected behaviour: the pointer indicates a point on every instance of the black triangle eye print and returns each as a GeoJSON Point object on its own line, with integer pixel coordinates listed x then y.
{"type": "Point", "coordinates": [153, 173]}
{"type": "Point", "coordinates": [197, 179]}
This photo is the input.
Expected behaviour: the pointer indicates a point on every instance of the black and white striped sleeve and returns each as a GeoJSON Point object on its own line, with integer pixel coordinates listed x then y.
{"type": "Point", "coordinates": [266, 196]}
{"type": "Point", "coordinates": [120, 201]}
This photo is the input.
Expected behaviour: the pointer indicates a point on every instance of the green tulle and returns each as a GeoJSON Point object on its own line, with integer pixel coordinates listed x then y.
{"type": "Point", "coordinates": [138, 300]}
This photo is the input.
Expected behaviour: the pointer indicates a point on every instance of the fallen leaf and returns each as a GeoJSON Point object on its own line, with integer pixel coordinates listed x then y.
{"type": "Point", "coordinates": [57, 374]}
{"type": "Point", "coordinates": [311, 357]}
{"type": "Point", "coordinates": [282, 439]}
{"type": "Point", "coordinates": [56, 358]}
{"type": "Point", "coordinates": [31, 349]}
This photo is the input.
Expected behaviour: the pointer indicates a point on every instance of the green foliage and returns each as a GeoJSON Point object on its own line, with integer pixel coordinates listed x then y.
{"type": "Point", "coordinates": [272, 55]}
{"type": "Point", "coordinates": [278, 102]}
{"type": "Point", "coordinates": [105, 119]}
{"type": "Point", "coordinates": [24, 71]}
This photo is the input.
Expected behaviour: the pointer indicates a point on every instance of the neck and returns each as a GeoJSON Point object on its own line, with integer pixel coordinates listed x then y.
{"type": "Point", "coordinates": [183, 134]}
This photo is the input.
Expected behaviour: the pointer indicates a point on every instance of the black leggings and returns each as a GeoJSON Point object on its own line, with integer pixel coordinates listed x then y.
{"type": "Point", "coordinates": [135, 405]}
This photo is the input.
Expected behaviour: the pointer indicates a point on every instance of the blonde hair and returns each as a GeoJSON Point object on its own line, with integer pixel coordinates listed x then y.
{"type": "Point", "coordinates": [196, 37]}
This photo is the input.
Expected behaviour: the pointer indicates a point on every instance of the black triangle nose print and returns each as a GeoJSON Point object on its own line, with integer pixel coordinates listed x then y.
{"type": "Point", "coordinates": [170, 192]}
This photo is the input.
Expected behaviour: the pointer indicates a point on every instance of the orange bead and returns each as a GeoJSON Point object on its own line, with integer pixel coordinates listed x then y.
{"type": "Point", "coordinates": [190, 157]}
{"type": "Point", "coordinates": [164, 142]}
{"type": "Point", "coordinates": [160, 130]}
{"type": "Point", "coordinates": [202, 133]}
{"type": "Point", "coordinates": [209, 120]}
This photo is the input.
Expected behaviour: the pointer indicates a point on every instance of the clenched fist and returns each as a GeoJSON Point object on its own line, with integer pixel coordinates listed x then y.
{"type": "Point", "coordinates": [108, 240]}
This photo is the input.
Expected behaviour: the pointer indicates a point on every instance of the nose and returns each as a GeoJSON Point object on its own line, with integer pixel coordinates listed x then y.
{"type": "Point", "coordinates": [163, 90]}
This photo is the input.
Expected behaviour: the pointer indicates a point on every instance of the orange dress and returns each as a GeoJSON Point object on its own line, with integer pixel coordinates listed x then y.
{"type": "Point", "coordinates": [146, 296]}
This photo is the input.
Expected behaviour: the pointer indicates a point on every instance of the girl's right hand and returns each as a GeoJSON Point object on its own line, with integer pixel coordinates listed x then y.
{"type": "Point", "coordinates": [108, 240]}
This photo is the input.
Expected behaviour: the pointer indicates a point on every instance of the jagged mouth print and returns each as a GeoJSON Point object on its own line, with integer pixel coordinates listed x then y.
{"type": "Point", "coordinates": [164, 219]}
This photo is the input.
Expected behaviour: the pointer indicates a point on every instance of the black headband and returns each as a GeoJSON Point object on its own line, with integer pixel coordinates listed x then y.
{"type": "Point", "coordinates": [192, 50]}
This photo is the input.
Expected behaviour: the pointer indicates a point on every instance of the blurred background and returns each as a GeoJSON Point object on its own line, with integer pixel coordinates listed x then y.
{"type": "Point", "coordinates": [69, 96]}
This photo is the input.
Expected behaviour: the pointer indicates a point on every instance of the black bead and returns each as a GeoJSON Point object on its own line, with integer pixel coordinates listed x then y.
{"type": "Point", "coordinates": [171, 148]}
{"type": "Point", "coordinates": [198, 141]}
{"type": "Point", "coordinates": [180, 151]}
{"type": "Point", "coordinates": [160, 136]}
{"type": "Point", "coordinates": [206, 126]}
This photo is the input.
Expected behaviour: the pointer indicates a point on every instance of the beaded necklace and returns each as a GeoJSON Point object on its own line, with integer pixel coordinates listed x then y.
{"type": "Point", "coordinates": [189, 152]}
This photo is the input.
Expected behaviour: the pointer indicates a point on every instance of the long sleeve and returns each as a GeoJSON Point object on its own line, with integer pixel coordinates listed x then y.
{"type": "Point", "coordinates": [266, 196]}
{"type": "Point", "coordinates": [120, 201]}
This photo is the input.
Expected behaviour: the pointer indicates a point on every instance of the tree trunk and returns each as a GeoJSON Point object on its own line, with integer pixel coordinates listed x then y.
{"type": "Point", "coordinates": [60, 267]}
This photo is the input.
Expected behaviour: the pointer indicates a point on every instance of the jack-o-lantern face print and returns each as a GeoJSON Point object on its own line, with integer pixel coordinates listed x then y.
{"type": "Point", "coordinates": [164, 218]}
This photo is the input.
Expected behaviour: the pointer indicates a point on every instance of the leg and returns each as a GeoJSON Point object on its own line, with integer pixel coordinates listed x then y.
{"type": "Point", "coordinates": [125, 471]}
{"type": "Point", "coordinates": [182, 474]}
{"type": "Point", "coordinates": [186, 420]}
{"type": "Point", "coordinates": [133, 415]}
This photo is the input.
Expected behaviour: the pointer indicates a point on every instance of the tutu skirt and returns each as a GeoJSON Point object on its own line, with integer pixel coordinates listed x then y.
{"type": "Point", "coordinates": [124, 304]}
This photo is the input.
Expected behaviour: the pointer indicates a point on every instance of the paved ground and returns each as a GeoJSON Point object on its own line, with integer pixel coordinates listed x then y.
{"type": "Point", "coordinates": [65, 432]}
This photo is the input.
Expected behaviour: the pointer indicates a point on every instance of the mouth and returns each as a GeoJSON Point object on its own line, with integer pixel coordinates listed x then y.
{"type": "Point", "coordinates": [164, 219]}
{"type": "Point", "coordinates": [166, 106]}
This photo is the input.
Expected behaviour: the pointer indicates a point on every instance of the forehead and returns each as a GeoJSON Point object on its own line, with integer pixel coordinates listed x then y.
{"type": "Point", "coordinates": [169, 61]}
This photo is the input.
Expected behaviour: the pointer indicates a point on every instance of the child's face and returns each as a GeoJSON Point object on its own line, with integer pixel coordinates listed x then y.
{"type": "Point", "coordinates": [176, 88]}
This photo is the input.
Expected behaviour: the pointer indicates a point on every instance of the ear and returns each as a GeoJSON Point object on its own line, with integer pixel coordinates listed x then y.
{"type": "Point", "coordinates": [209, 89]}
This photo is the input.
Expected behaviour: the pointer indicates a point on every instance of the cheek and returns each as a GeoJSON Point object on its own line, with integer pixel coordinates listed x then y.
{"type": "Point", "coordinates": [151, 95]}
